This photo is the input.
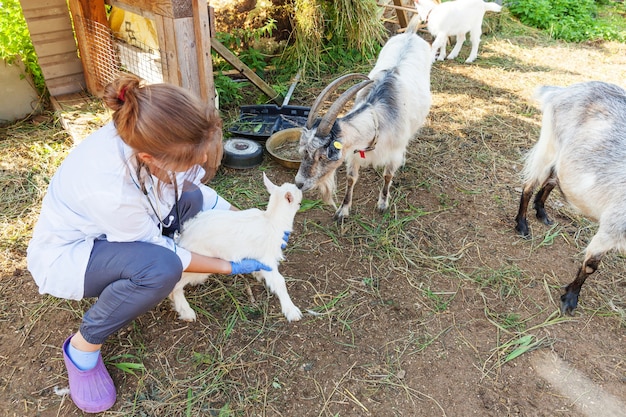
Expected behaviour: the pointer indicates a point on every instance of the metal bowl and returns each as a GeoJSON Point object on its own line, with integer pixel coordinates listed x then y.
{"type": "Point", "coordinates": [283, 147]}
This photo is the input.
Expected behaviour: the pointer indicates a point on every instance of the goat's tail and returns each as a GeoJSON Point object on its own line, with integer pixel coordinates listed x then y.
{"type": "Point", "coordinates": [541, 159]}
{"type": "Point", "coordinates": [414, 24]}
{"type": "Point", "coordinates": [492, 7]}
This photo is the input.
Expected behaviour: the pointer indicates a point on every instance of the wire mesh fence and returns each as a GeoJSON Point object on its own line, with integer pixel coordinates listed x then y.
{"type": "Point", "coordinates": [108, 53]}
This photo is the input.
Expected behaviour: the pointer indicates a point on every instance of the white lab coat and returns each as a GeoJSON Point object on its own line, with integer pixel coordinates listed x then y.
{"type": "Point", "coordinates": [93, 195]}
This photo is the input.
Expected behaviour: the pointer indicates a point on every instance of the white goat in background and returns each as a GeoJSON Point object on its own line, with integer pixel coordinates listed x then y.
{"type": "Point", "coordinates": [582, 150]}
{"type": "Point", "coordinates": [236, 235]}
{"type": "Point", "coordinates": [390, 107]}
{"type": "Point", "coordinates": [454, 18]}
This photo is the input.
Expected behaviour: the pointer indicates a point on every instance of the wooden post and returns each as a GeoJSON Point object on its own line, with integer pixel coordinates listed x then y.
{"type": "Point", "coordinates": [94, 43]}
{"type": "Point", "coordinates": [202, 26]}
{"type": "Point", "coordinates": [402, 20]}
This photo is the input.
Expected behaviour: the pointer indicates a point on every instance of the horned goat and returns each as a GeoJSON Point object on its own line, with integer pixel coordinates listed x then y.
{"type": "Point", "coordinates": [581, 150]}
{"type": "Point", "coordinates": [390, 107]}
{"type": "Point", "coordinates": [236, 235]}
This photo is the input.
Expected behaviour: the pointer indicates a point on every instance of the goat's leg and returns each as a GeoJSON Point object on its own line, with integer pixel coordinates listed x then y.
{"type": "Point", "coordinates": [383, 197]}
{"type": "Point", "coordinates": [460, 39]}
{"type": "Point", "coordinates": [275, 283]}
{"type": "Point", "coordinates": [540, 201]}
{"type": "Point", "coordinates": [475, 41]}
{"type": "Point", "coordinates": [180, 303]}
{"type": "Point", "coordinates": [439, 45]}
{"type": "Point", "coordinates": [521, 222]}
{"type": "Point", "coordinates": [599, 245]}
{"type": "Point", "coordinates": [352, 176]}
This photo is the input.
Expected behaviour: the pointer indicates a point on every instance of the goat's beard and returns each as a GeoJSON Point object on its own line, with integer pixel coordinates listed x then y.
{"type": "Point", "coordinates": [327, 186]}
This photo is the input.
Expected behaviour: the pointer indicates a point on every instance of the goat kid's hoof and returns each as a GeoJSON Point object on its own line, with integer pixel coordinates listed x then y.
{"type": "Point", "coordinates": [187, 315]}
{"type": "Point", "coordinates": [292, 314]}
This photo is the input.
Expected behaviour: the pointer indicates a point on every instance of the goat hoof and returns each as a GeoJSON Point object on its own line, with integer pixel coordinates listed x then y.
{"type": "Point", "coordinates": [525, 233]}
{"type": "Point", "coordinates": [569, 302]}
{"type": "Point", "coordinates": [293, 314]}
{"type": "Point", "coordinates": [187, 315]}
{"type": "Point", "coordinates": [340, 215]}
{"type": "Point", "coordinates": [521, 227]}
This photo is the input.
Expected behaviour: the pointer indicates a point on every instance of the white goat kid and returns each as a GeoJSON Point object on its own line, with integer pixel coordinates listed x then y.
{"type": "Point", "coordinates": [390, 107]}
{"type": "Point", "coordinates": [454, 18]}
{"type": "Point", "coordinates": [236, 235]}
{"type": "Point", "coordinates": [581, 149]}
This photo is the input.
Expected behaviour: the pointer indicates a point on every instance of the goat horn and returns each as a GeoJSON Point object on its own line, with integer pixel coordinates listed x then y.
{"type": "Point", "coordinates": [331, 115]}
{"type": "Point", "coordinates": [330, 88]}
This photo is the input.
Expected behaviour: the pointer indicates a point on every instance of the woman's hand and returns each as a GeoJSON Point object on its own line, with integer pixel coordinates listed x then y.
{"type": "Point", "coordinates": [246, 266]}
{"type": "Point", "coordinates": [285, 239]}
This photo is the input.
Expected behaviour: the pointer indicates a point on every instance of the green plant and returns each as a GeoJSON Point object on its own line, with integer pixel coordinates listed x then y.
{"type": "Point", "coordinates": [245, 44]}
{"type": "Point", "coordinates": [15, 42]}
{"type": "Point", "coordinates": [229, 91]}
{"type": "Point", "coordinates": [569, 20]}
{"type": "Point", "coordinates": [334, 35]}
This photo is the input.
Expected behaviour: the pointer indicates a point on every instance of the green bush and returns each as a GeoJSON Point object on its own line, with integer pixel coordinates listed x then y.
{"type": "Point", "coordinates": [569, 20]}
{"type": "Point", "coordinates": [15, 42]}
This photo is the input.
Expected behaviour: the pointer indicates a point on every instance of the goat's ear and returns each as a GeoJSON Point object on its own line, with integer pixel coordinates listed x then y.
{"type": "Point", "coordinates": [333, 152]}
{"type": "Point", "coordinates": [268, 184]}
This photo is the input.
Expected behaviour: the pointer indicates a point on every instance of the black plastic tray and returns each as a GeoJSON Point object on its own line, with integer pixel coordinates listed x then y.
{"type": "Point", "coordinates": [261, 121]}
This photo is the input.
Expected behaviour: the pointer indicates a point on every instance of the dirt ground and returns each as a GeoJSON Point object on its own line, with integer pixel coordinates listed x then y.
{"type": "Point", "coordinates": [436, 308]}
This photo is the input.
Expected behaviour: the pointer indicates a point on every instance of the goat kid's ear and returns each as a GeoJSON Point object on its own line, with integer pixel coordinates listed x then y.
{"type": "Point", "coordinates": [268, 184]}
{"type": "Point", "coordinates": [333, 152]}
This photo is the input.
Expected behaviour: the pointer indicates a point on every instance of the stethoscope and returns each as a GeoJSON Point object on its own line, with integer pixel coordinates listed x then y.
{"type": "Point", "coordinates": [141, 186]}
{"type": "Point", "coordinates": [157, 212]}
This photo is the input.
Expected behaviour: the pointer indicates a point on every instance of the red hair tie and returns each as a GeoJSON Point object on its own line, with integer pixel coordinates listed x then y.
{"type": "Point", "coordinates": [122, 94]}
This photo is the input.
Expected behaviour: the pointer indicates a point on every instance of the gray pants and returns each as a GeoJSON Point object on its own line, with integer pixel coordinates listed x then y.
{"type": "Point", "coordinates": [131, 278]}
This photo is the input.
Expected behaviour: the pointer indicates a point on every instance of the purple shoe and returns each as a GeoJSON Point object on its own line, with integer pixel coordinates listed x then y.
{"type": "Point", "coordinates": [92, 391]}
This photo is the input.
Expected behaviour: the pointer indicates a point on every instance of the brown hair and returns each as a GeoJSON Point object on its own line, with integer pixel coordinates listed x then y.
{"type": "Point", "coordinates": [165, 121]}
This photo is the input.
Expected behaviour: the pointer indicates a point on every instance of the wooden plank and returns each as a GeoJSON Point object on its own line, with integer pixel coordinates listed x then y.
{"type": "Point", "coordinates": [66, 84]}
{"type": "Point", "coordinates": [245, 71]}
{"type": "Point", "coordinates": [53, 46]}
{"type": "Point", "coordinates": [43, 4]}
{"type": "Point", "coordinates": [37, 12]}
{"type": "Point", "coordinates": [131, 8]}
{"type": "Point", "coordinates": [49, 24]}
{"type": "Point", "coordinates": [402, 20]}
{"type": "Point", "coordinates": [186, 51]}
{"type": "Point", "coordinates": [167, 45]}
{"type": "Point", "coordinates": [212, 21]}
{"type": "Point", "coordinates": [98, 58]}
{"type": "Point", "coordinates": [172, 9]}
{"type": "Point", "coordinates": [53, 39]}
{"type": "Point", "coordinates": [58, 67]}
{"type": "Point", "coordinates": [202, 29]}
{"type": "Point", "coordinates": [405, 8]}
{"type": "Point", "coordinates": [82, 39]}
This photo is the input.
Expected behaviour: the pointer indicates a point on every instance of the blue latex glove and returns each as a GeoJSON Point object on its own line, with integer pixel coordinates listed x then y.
{"type": "Point", "coordinates": [246, 266]}
{"type": "Point", "coordinates": [286, 239]}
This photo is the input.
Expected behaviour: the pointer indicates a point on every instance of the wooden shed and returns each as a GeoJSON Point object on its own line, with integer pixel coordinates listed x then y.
{"type": "Point", "coordinates": [78, 52]}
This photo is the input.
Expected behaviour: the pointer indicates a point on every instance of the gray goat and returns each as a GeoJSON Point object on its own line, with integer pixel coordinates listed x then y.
{"type": "Point", "coordinates": [582, 150]}
{"type": "Point", "coordinates": [391, 105]}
